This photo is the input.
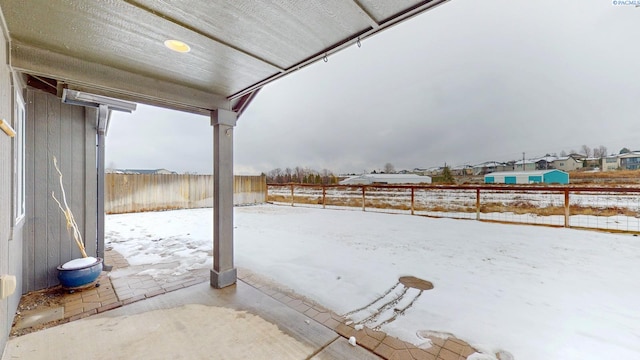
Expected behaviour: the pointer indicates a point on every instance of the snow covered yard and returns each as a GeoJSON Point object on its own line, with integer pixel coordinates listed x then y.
{"type": "Point", "coordinates": [537, 292]}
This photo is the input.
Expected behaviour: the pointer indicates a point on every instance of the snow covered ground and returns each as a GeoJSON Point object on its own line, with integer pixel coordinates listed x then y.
{"type": "Point", "coordinates": [536, 292]}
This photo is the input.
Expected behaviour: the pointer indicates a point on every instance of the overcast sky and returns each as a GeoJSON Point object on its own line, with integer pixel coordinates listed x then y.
{"type": "Point", "coordinates": [468, 82]}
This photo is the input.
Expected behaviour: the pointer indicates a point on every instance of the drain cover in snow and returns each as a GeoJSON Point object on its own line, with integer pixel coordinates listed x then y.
{"type": "Point", "coordinates": [414, 282]}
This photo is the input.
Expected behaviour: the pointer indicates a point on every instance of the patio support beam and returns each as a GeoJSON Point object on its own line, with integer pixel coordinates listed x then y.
{"type": "Point", "coordinates": [223, 273]}
{"type": "Point", "coordinates": [84, 75]}
{"type": "Point", "coordinates": [101, 127]}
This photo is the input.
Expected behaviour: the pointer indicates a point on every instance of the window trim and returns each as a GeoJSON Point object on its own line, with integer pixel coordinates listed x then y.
{"type": "Point", "coordinates": [19, 160]}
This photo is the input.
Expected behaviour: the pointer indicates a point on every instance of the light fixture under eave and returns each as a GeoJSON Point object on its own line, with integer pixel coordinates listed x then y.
{"type": "Point", "coordinates": [177, 45]}
{"type": "Point", "coordinates": [93, 100]}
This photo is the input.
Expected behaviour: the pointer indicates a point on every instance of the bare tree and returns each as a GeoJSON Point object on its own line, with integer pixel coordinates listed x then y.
{"type": "Point", "coordinates": [326, 176]}
{"type": "Point", "coordinates": [563, 153]}
{"type": "Point", "coordinates": [298, 174]}
{"type": "Point", "coordinates": [600, 151]}
{"type": "Point", "coordinates": [586, 150]}
{"type": "Point", "coordinates": [603, 150]}
{"type": "Point", "coordinates": [389, 169]}
{"type": "Point", "coordinates": [275, 176]}
{"type": "Point", "coordinates": [287, 175]}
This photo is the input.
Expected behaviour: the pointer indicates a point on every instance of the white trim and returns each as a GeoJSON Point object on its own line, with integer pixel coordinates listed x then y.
{"type": "Point", "coordinates": [19, 158]}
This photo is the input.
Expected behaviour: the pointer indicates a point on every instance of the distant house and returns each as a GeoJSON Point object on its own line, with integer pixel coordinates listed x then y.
{"type": "Point", "coordinates": [630, 161]}
{"type": "Point", "coordinates": [370, 179]}
{"type": "Point", "coordinates": [567, 163]}
{"type": "Point", "coordinates": [578, 157]}
{"type": "Point", "coordinates": [545, 162]}
{"type": "Point", "coordinates": [463, 170]}
{"type": "Point", "coordinates": [529, 165]}
{"type": "Point", "coordinates": [591, 163]}
{"type": "Point", "coordinates": [609, 163]}
{"type": "Point", "coordinates": [528, 177]}
{"type": "Point", "coordinates": [144, 171]}
{"type": "Point", "coordinates": [432, 171]}
{"type": "Point", "coordinates": [489, 167]}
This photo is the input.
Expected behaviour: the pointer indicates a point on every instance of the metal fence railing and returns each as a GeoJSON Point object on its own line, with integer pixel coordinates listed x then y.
{"type": "Point", "coordinates": [609, 208]}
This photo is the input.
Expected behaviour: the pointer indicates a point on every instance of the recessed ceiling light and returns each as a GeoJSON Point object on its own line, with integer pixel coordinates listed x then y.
{"type": "Point", "coordinates": [177, 45]}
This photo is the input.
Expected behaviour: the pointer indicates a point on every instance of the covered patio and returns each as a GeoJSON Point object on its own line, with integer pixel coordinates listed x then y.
{"type": "Point", "coordinates": [194, 56]}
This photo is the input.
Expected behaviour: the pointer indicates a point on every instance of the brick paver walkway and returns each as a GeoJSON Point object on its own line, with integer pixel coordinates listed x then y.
{"type": "Point", "coordinates": [387, 347]}
{"type": "Point", "coordinates": [114, 292]}
{"type": "Point", "coordinates": [135, 286]}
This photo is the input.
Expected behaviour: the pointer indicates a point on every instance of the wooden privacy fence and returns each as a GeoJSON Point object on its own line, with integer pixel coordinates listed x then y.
{"type": "Point", "coordinates": [126, 193]}
{"type": "Point", "coordinates": [567, 206]}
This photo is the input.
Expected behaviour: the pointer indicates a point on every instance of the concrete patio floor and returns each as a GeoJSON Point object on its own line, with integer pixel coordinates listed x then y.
{"type": "Point", "coordinates": [197, 322]}
{"type": "Point", "coordinates": [132, 315]}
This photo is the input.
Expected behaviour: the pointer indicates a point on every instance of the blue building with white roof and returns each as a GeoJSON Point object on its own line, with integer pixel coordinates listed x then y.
{"type": "Point", "coordinates": [528, 177]}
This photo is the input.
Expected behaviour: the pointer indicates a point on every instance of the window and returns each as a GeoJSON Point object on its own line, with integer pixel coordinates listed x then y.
{"type": "Point", "coordinates": [18, 160]}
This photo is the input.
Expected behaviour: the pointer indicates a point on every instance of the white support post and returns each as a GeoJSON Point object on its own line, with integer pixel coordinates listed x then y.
{"type": "Point", "coordinates": [223, 273]}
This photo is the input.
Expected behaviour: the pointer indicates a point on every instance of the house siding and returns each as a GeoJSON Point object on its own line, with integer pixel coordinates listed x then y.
{"type": "Point", "coordinates": [10, 233]}
{"type": "Point", "coordinates": [630, 162]}
{"type": "Point", "coordinates": [610, 163]}
{"type": "Point", "coordinates": [67, 132]}
{"type": "Point", "coordinates": [569, 164]}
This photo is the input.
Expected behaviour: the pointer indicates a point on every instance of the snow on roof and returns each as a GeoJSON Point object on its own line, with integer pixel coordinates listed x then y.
{"type": "Point", "coordinates": [628, 155]}
{"type": "Point", "coordinates": [565, 158]}
{"type": "Point", "coordinates": [549, 158]}
{"type": "Point", "coordinates": [526, 161]}
{"type": "Point", "coordinates": [489, 163]}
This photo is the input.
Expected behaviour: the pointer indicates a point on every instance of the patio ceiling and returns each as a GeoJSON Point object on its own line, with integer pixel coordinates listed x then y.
{"type": "Point", "coordinates": [116, 47]}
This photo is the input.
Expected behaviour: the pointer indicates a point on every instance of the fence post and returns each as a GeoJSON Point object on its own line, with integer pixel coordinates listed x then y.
{"type": "Point", "coordinates": [291, 194]}
{"type": "Point", "coordinates": [263, 181]}
{"type": "Point", "coordinates": [478, 204]}
{"type": "Point", "coordinates": [324, 195]}
{"type": "Point", "coordinates": [566, 208]}
{"type": "Point", "coordinates": [363, 198]}
{"type": "Point", "coordinates": [412, 199]}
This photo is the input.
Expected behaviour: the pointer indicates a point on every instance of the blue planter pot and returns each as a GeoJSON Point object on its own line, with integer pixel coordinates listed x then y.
{"type": "Point", "coordinates": [76, 277]}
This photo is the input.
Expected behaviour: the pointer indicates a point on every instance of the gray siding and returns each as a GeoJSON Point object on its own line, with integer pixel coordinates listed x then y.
{"type": "Point", "coordinates": [68, 133]}
{"type": "Point", "coordinates": [5, 186]}
{"type": "Point", "coordinates": [10, 239]}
